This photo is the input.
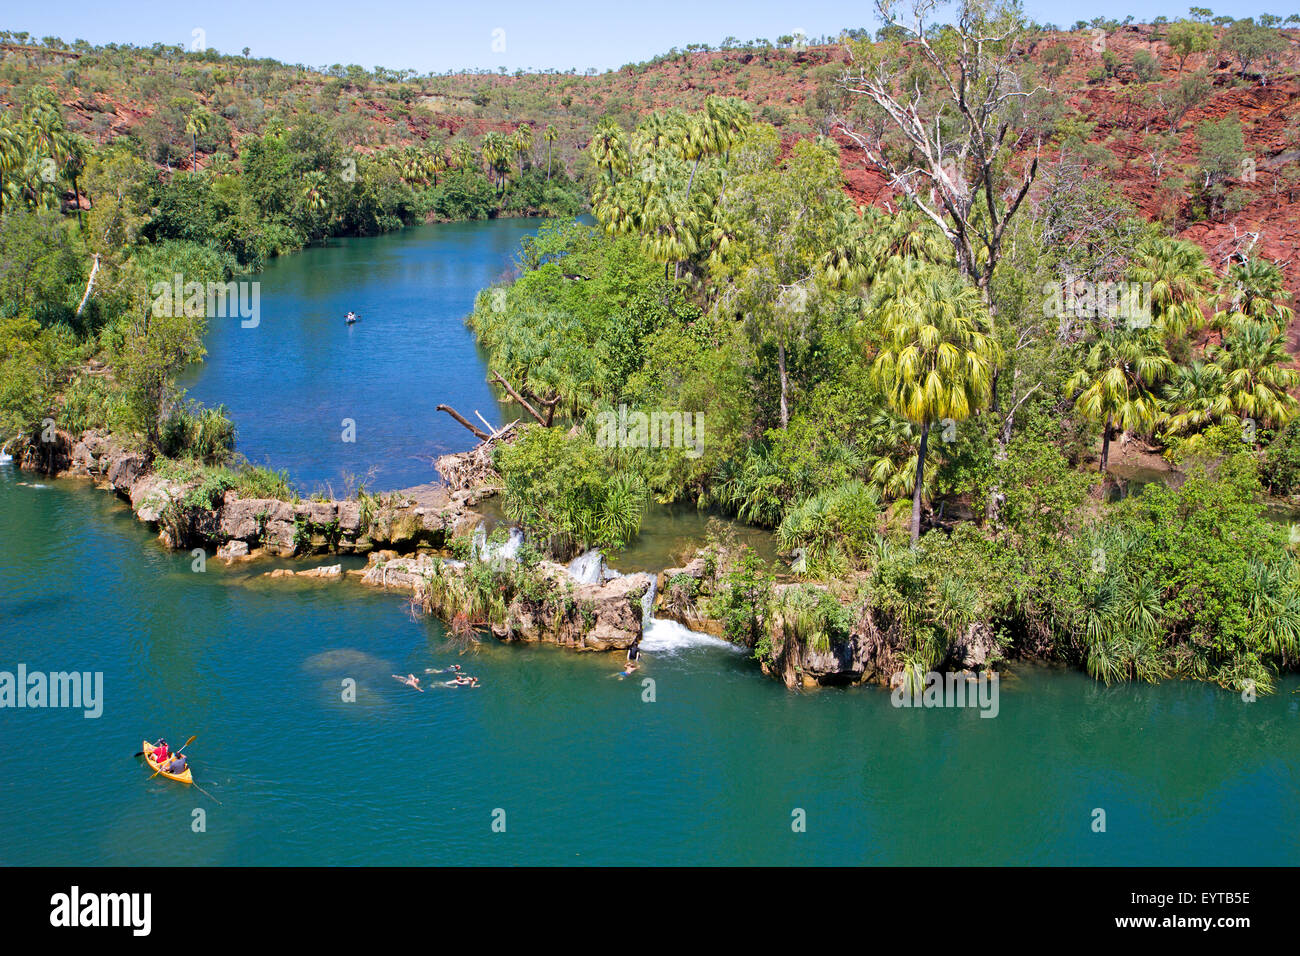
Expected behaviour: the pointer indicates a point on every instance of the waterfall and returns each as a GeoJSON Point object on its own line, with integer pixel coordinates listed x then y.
{"type": "Point", "coordinates": [588, 567]}
{"type": "Point", "coordinates": [661, 635]}
{"type": "Point", "coordinates": [478, 544]}
{"type": "Point", "coordinates": [664, 636]}
{"type": "Point", "coordinates": [510, 550]}
{"type": "Point", "coordinates": [507, 551]}
{"type": "Point", "coordinates": [648, 601]}
{"type": "Point", "coordinates": [5, 457]}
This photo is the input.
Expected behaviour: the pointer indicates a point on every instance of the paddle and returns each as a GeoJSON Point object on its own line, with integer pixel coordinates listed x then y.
{"type": "Point", "coordinates": [183, 746]}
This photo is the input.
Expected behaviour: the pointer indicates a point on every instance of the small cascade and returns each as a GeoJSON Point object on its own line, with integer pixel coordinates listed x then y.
{"type": "Point", "coordinates": [664, 636]}
{"type": "Point", "coordinates": [478, 544]}
{"type": "Point", "coordinates": [508, 550]}
{"type": "Point", "coordinates": [588, 567]}
{"type": "Point", "coordinates": [648, 602]}
{"type": "Point", "coordinates": [5, 457]}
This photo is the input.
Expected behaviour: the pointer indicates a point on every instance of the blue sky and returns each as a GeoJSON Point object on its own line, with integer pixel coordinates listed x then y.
{"type": "Point", "coordinates": [435, 35]}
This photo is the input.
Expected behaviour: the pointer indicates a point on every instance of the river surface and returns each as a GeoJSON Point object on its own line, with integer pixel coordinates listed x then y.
{"type": "Point", "coordinates": [711, 764]}
{"type": "Point", "coordinates": [331, 402]}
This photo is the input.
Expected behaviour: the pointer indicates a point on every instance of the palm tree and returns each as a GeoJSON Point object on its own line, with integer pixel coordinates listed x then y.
{"type": "Point", "coordinates": [13, 156]}
{"type": "Point", "coordinates": [1193, 397]}
{"type": "Point", "coordinates": [197, 122]}
{"type": "Point", "coordinates": [1256, 381]}
{"type": "Point", "coordinates": [313, 190]}
{"type": "Point", "coordinates": [464, 154]}
{"type": "Point", "coordinates": [413, 167]}
{"type": "Point", "coordinates": [1180, 279]}
{"type": "Point", "coordinates": [521, 143]}
{"type": "Point", "coordinates": [550, 135]}
{"type": "Point", "coordinates": [437, 160]}
{"type": "Point", "coordinates": [495, 151]}
{"type": "Point", "coordinates": [1256, 293]}
{"type": "Point", "coordinates": [73, 152]}
{"type": "Point", "coordinates": [1117, 384]}
{"type": "Point", "coordinates": [937, 355]}
{"type": "Point", "coordinates": [608, 148]}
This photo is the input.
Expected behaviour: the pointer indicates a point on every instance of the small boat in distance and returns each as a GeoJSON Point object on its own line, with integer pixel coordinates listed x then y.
{"type": "Point", "coordinates": [351, 317]}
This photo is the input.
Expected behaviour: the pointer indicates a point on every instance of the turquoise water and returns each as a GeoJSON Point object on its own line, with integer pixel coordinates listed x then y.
{"type": "Point", "coordinates": [585, 770]}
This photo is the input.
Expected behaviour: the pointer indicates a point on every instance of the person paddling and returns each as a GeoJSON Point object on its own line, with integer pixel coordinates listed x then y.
{"type": "Point", "coordinates": [176, 765]}
{"type": "Point", "coordinates": [159, 752]}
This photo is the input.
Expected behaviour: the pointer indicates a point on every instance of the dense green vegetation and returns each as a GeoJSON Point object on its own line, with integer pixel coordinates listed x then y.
{"type": "Point", "coordinates": [925, 402]}
{"type": "Point", "coordinates": [863, 376]}
{"type": "Point", "coordinates": [82, 341]}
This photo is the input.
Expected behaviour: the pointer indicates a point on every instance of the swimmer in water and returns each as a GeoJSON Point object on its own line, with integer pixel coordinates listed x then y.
{"type": "Point", "coordinates": [410, 680]}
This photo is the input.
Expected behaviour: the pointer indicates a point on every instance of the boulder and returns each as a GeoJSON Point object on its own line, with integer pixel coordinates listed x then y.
{"type": "Point", "coordinates": [233, 551]}
{"type": "Point", "coordinates": [349, 513]}
{"type": "Point", "coordinates": [124, 470]}
{"type": "Point", "coordinates": [325, 571]}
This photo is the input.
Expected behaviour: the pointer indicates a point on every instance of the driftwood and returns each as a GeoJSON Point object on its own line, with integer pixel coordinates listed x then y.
{"type": "Point", "coordinates": [478, 432]}
{"type": "Point", "coordinates": [498, 380]}
{"type": "Point", "coordinates": [473, 469]}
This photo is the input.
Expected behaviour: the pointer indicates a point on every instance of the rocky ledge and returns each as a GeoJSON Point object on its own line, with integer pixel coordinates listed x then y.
{"type": "Point", "coordinates": [870, 651]}
{"type": "Point", "coordinates": [541, 603]}
{"type": "Point", "coordinates": [238, 527]}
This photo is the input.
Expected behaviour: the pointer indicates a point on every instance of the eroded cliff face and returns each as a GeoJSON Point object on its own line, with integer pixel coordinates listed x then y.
{"type": "Point", "coordinates": [238, 527]}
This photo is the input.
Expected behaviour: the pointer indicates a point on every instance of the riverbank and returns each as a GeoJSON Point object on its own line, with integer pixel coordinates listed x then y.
{"type": "Point", "coordinates": [707, 773]}
{"type": "Point", "coordinates": [407, 535]}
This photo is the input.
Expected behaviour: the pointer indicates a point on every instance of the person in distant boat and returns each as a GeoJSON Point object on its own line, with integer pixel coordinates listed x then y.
{"type": "Point", "coordinates": [410, 680]}
{"type": "Point", "coordinates": [352, 316]}
{"type": "Point", "coordinates": [176, 764]}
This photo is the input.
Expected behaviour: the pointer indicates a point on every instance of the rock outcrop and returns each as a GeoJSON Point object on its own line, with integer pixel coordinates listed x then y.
{"type": "Point", "coordinates": [238, 527]}
{"type": "Point", "coordinates": [552, 608]}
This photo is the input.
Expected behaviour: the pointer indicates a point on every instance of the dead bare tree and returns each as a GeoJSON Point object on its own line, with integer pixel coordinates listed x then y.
{"type": "Point", "coordinates": [953, 125]}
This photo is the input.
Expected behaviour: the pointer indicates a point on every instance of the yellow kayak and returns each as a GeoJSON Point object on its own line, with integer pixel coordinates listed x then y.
{"type": "Point", "coordinates": [182, 777]}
